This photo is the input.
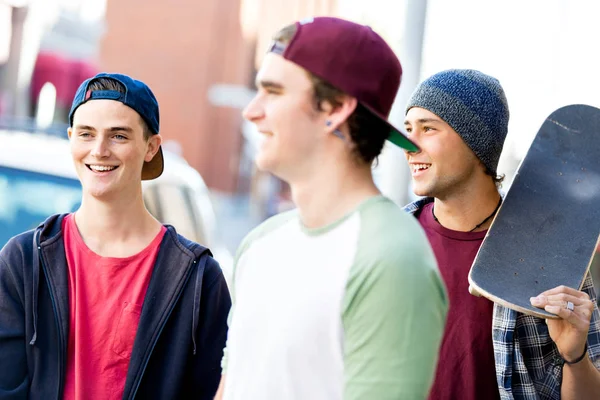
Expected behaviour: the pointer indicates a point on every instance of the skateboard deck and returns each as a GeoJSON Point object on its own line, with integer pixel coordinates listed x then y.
{"type": "Point", "coordinates": [547, 228]}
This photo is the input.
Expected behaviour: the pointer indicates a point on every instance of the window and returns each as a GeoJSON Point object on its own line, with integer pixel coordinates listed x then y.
{"type": "Point", "coordinates": [27, 198]}
{"type": "Point", "coordinates": [174, 205]}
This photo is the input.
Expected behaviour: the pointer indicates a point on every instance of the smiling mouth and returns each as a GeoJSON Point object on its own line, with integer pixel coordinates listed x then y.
{"type": "Point", "coordinates": [101, 168]}
{"type": "Point", "coordinates": [419, 167]}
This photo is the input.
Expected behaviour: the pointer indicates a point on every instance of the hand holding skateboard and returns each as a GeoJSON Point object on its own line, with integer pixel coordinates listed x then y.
{"type": "Point", "coordinates": [570, 331]}
{"type": "Point", "coordinates": [547, 228]}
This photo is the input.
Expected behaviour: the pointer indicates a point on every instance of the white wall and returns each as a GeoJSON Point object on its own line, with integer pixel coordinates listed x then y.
{"type": "Point", "coordinates": [544, 52]}
{"type": "Point", "coordinates": [400, 23]}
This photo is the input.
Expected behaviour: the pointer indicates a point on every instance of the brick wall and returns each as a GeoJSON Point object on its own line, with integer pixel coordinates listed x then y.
{"type": "Point", "coordinates": [180, 48]}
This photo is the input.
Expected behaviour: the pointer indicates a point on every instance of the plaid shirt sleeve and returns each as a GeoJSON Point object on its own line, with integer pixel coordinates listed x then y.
{"type": "Point", "coordinates": [528, 364]}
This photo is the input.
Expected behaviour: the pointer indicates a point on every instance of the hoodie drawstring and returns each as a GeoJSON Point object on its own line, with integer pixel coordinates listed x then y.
{"type": "Point", "coordinates": [36, 281]}
{"type": "Point", "coordinates": [197, 294]}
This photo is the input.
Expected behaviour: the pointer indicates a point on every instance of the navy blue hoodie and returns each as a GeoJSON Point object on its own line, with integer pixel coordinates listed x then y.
{"type": "Point", "coordinates": [181, 334]}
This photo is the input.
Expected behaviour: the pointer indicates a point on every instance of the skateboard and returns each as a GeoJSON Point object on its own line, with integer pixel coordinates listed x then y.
{"type": "Point", "coordinates": [548, 226]}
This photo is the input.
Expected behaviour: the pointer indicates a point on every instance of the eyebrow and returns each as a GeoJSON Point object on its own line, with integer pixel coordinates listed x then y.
{"type": "Point", "coordinates": [111, 129]}
{"type": "Point", "coordinates": [120, 129]}
{"type": "Point", "coordinates": [84, 128]}
{"type": "Point", "coordinates": [423, 121]}
{"type": "Point", "coordinates": [268, 84]}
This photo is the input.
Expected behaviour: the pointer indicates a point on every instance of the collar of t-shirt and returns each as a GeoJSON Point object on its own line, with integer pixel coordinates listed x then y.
{"type": "Point", "coordinates": [428, 222]}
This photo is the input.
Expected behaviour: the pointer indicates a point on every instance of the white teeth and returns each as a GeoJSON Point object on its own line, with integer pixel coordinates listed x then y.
{"type": "Point", "coordinates": [102, 168]}
{"type": "Point", "coordinates": [419, 167]}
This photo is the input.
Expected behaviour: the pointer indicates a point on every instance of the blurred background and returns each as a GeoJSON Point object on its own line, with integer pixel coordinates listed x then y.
{"type": "Point", "coordinates": [200, 59]}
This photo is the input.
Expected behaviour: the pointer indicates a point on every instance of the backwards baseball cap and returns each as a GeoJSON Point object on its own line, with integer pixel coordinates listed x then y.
{"type": "Point", "coordinates": [137, 96]}
{"type": "Point", "coordinates": [354, 59]}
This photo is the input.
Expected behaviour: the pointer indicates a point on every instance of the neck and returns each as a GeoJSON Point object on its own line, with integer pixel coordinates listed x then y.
{"type": "Point", "coordinates": [116, 224]}
{"type": "Point", "coordinates": [337, 189]}
{"type": "Point", "coordinates": [467, 208]}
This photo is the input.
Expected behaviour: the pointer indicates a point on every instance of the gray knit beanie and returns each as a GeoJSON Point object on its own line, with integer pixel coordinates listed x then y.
{"type": "Point", "coordinates": [473, 104]}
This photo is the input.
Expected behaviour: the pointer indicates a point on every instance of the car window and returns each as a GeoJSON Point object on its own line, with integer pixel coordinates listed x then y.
{"type": "Point", "coordinates": [173, 204]}
{"type": "Point", "coordinates": [28, 198]}
{"type": "Point", "coordinates": [153, 202]}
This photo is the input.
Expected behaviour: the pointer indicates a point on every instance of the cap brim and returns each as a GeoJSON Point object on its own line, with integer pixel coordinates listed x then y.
{"type": "Point", "coordinates": [396, 136]}
{"type": "Point", "coordinates": [400, 140]}
{"type": "Point", "coordinates": [154, 168]}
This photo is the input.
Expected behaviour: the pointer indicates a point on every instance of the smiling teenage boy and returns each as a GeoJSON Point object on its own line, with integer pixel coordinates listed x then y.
{"type": "Point", "coordinates": [106, 302]}
{"type": "Point", "coordinates": [459, 119]}
{"type": "Point", "coordinates": [340, 298]}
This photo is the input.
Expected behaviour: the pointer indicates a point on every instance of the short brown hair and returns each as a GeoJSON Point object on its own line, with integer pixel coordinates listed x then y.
{"type": "Point", "coordinates": [368, 132]}
{"type": "Point", "coordinates": [112, 84]}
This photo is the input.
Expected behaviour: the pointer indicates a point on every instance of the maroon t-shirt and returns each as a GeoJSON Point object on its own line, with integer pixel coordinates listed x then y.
{"type": "Point", "coordinates": [466, 368]}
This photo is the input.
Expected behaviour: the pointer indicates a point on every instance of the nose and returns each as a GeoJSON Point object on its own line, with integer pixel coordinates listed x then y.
{"type": "Point", "coordinates": [415, 140]}
{"type": "Point", "coordinates": [413, 152]}
{"type": "Point", "coordinates": [100, 148]}
{"type": "Point", "coordinates": [410, 152]}
{"type": "Point", "coordinates": [254, 110]}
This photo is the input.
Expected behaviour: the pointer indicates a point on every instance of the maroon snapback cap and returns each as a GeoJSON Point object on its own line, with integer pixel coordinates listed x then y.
{"type": "Point", "coordinates": [354, 59]}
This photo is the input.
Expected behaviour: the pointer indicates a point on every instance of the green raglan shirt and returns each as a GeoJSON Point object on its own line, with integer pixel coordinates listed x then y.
{"type": "Point", "coordinates": [354, 310]}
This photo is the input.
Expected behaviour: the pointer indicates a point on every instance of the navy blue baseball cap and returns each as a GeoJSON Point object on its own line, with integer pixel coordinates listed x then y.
{"type": "Point", "coordinates": [137, 96]}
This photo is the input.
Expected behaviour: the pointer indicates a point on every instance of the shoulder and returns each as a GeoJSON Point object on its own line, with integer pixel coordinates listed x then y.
{"type": "Point", "coordinates": [393, 250]}
{"type": "Point", "coordinates": [183, 244]}
{"type": "Point", "coordinates": [212, 269]}
{"type": "Point", "coordinates": [17, 247]}
{"type": "Point", "coordinates": [16, 259]}
{"type": "Point", "coordinates": [415, 206]}
{"type": "Point", "coordinates": [266, 228]}
{"type": "Point", "coordinates": [390, 233]}
{"type": "Point", "coordinates": [17, 253]}
{"type": "Point", "coordinates": [394, 265]}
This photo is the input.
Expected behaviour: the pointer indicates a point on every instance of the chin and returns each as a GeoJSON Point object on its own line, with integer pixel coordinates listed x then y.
{"type": "Point", "coordinates": [98, 193]}
{"type": "Point", "coordinates": [422, 190]}
{"type": "Point", "coordinates": [98, 190]}
{"type": "Point", "coordinates": [264, 163]}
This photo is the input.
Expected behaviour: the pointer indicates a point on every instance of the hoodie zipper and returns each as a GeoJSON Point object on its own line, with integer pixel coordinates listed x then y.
{"type": "Point", "coordinates": [160, 329]}
{"type": "Point", "coordinates": [58, 327]}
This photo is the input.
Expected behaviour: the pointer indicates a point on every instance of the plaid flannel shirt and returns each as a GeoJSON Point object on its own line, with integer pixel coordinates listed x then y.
{"type": "Point", "coordinates": [528, 364]}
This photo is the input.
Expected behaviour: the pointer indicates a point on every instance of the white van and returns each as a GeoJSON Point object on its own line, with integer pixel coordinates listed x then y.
{"type": "Point", "coordinates": [37, 179]}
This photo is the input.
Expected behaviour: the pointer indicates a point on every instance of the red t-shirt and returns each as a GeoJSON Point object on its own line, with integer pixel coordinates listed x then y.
{"type": "Point", "coordinates": [105, 299]}
{"type": "Point", "coordinates": [466, 368]}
